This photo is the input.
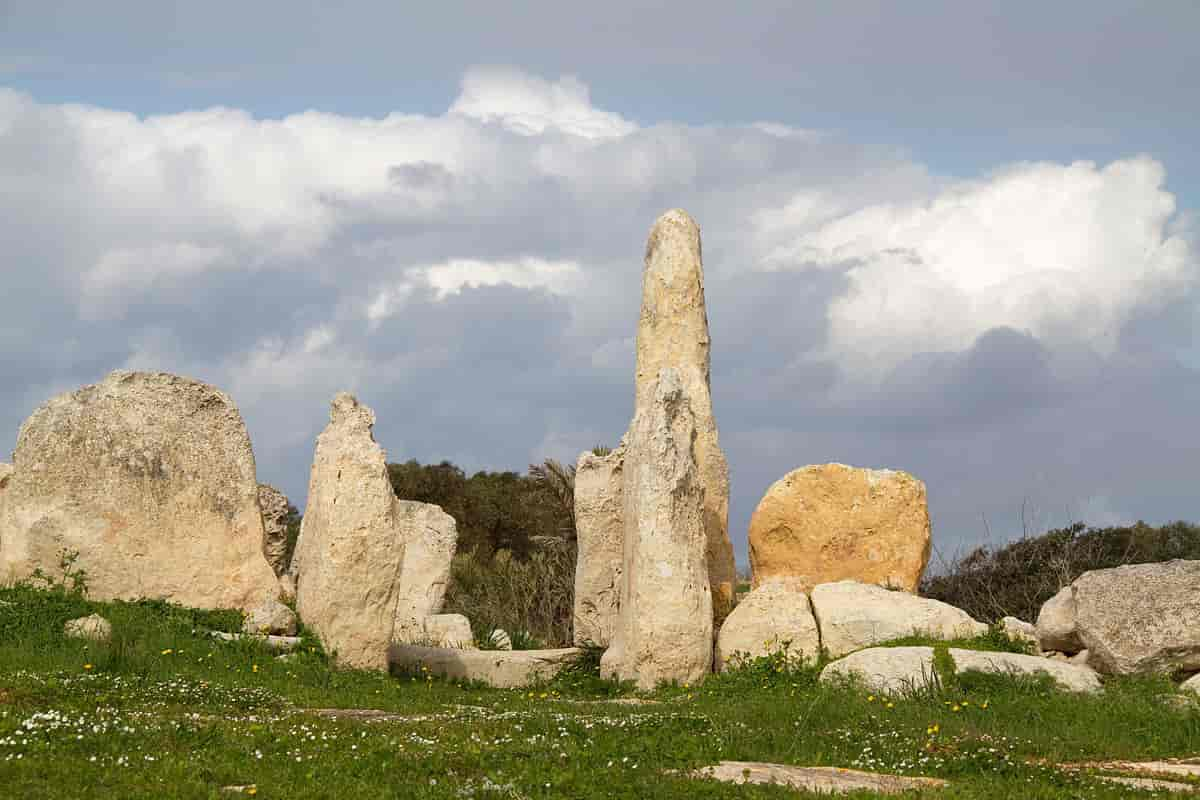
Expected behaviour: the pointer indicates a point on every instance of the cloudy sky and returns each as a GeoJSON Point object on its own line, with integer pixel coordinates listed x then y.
{"type": "Point", "coordinates": [955, 239]}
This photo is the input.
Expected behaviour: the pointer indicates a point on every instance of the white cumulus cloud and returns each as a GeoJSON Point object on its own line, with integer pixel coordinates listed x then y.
{"type": "Point", "coordinates": [1068, 253]}
{"type": "Point", "coordinates": [530, 105]}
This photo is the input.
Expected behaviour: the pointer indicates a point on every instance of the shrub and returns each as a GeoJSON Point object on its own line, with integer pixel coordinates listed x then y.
{"type": "Point", "coordinates": [1018, 578]}
{"type": "Point", "coordinates": [532, 598]}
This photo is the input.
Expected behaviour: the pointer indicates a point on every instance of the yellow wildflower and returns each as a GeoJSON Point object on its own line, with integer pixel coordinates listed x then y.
{"type": "Point", "coordinates": [87, 666]}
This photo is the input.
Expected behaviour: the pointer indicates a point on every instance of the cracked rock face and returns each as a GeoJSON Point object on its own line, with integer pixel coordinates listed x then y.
{"type": "Point", "coordinates": [664, 628]}
{"type": "Point", "coordinates": [1140, 618]}
{"type": "Point", "coordinates": [150, 478]}
{"type": "Point", "coordinates": [274, 506]}
{"type": "Point", "coordinates": [673, 333]}
{"type": "Point", "coordinates": [830, 522]}
{"type": "Point", "coordinates": [642, 511]}
{"type": "Point", "coordinates": [351, 545]}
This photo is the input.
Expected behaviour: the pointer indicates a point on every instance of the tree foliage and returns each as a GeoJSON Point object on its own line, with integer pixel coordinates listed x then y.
{"type": "Point", "coordinates": [495, 511]}
{"type": "Point", "coordinates": [1018, 578]}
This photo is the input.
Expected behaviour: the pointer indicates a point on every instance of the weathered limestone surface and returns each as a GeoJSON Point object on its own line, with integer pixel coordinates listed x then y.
{"type": "Point", "coordinates": [446, 630]}
{"type": "Point", "coordinates": [274, 506]}
{"type": "Point", "coordinates": [1021, 631]}
{"type": "Point", "coordinates": [887, 670]}
{"type": "Point", "coordinates": [150, 478]}
{"type": "Point", "coordinates": [673, 333]}
{"type": "Point", "coordinates": [599, 531]}
{"type": "Point", "coordinates": [93, 627]}
{"type": "Point", "coordinates": [1192, 684]}
{"type": "Point", "coordinates": [351, 545]}
{"type": "Point", "coordinates": [902, 670]}
{"type": "Point", "coordinates": [855, 615]}
{"type": "Point", "coordinates": [769, 616]}
{"type": "Point", "coordinates": [818, 780]}
{"type": "Point", "coordinates": [271, 618]}
{"type": "Point", "coordinates": [664, 631]}
{"type": "Point", "coordinates": [1140, 618]}
{"type": "Point", "coordinates": [829, 522]}
{"type": "Point", "coordinates": [1056, 628]}
{"type": "Point", "coordinates": [6, 471]}
{"type": "Point", "coordinates": [504, 669]}
{"type": "Point", "coordinates": [1069, 677]}
{"type": "Point", "coordinates": [430, 539]}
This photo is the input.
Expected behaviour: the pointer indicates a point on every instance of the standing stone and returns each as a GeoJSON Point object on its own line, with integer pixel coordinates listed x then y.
{"type": "Point", "coordinates": [664, 631]}
{"type": "Point", "coordinates": [673, 333]}
{"type": "Point", "coordinates": [830, 522]}
{"type": "Point", "coordinates": [150, 479]}
{"type": "Point", "coordinates": [1140, 618]}
{"type": "Point", "coordinates": [351, 545]}
{"type": "Point", "coordinates": [430, 539]}
{"type": "Point", "coordinates": [598, 526]}
{"type": "Point", "coordinates": [274, 506]}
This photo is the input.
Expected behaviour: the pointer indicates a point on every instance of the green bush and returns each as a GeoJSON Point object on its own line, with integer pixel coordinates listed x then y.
{"type": "Point", "coordinates": [1015, 580]}
{"type": "Point", "coordinates": [531, 598]}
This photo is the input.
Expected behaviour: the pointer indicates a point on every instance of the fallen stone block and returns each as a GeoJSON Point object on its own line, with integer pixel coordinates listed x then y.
{"type": "Point", "coordinates": [905, 670]}
{"type": "Point", "coordinates": [503, 669]}
{"type": "Point", "coordinates": [281, 643]}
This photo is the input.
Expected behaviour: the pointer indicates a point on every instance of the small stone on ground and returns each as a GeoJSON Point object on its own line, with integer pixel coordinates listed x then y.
{"type": "Point", "coordinates": [828, 780]}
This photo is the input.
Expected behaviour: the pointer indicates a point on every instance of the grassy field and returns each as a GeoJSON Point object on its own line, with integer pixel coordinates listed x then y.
{"type": "Point", "coordinates": [164, 711]}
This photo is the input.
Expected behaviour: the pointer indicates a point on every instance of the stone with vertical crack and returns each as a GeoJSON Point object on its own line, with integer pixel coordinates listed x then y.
{"type": "Point", "coordinates": [664, 629]}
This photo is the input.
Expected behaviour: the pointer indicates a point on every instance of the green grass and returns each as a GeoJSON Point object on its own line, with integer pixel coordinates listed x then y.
{"type": "Point", "coordinates": [164, 711]}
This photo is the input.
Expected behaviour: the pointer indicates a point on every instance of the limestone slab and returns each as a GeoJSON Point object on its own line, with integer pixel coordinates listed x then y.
{"type": "Point", "coordinates": [504, 669]}
{"type": "Point", "coordinates": [819, 780]}
{"type": "Point", "coordinates": [853, 615]}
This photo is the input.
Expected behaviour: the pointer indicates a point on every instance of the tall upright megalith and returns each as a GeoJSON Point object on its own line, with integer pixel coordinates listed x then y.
{"type": "Point", "coordinates": [664, 628]}
{"type": "Point", "coordinates": [667, 486]}
{"type": "Point", "coordinates": [150, 479]}
{"type": "Point", "coordinates": [351, 545]}
{"type": "Point", "coordinates": [673, 332]}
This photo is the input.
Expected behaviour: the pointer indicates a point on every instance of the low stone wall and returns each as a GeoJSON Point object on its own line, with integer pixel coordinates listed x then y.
{"type": "Point", "coordinates": [503, 669]}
